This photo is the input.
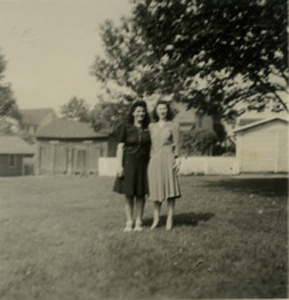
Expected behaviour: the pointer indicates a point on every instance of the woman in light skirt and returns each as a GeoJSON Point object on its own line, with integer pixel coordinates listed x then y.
{"type": "Point", "coordinates": [164, 162]}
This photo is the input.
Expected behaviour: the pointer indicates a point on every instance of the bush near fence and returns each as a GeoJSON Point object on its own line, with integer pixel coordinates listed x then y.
{"type": "Point", "coordinates": [207, 165]}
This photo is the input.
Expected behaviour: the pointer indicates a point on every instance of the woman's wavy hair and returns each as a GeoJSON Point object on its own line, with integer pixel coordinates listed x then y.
{"type": "Point", "coordinates": [170, 114]}
{"type": "Point", "coordinates": [134, 105]}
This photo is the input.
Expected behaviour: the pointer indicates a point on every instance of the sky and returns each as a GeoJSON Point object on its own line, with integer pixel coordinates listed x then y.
{"type": "Point", "coordinates": [50, 45]}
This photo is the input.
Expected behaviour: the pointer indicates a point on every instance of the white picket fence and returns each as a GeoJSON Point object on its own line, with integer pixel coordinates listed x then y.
{"type": "Point", "coordinates": [207, 165]}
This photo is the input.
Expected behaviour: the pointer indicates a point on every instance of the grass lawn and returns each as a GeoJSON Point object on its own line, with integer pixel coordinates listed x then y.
{"type": "Point", "coordinates": [61, 238]}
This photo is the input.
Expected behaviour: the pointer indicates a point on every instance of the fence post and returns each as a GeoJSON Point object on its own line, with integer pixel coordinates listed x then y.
{"type": "Point", "coordinates": [206, 171]}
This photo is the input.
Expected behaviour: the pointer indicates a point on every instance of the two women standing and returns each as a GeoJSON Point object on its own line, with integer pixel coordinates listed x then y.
{"type": "Point", "coordinates": [148, 163]}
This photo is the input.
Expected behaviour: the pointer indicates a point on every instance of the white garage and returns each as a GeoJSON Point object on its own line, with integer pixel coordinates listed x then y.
{"type": "Point", "coordinates": [262, 146]}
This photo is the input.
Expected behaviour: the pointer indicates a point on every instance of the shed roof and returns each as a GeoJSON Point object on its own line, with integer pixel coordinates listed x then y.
{"type": "Point", "coordinates": [35, 116]}
{"type": "Point", "coordinates": [68, 129]}
{"type": "Point", "coordinates": [14, 145]}
{"type": "Point", "coordinates": [260, 122]}
{"type": "Point", "coordinates": [247, 121]}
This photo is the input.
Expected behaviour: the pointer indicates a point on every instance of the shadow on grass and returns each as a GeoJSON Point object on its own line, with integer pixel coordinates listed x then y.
{"type": "Point", "coordinates": [266, 187]}
{"type": "Point", "coordinates": [185, 219]}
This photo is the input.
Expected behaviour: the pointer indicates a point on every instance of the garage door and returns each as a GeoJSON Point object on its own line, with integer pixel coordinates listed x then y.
{"type": "Point", "coordinates": [259, 152]}
{"type": "Point", "coordinates": [282, 162]}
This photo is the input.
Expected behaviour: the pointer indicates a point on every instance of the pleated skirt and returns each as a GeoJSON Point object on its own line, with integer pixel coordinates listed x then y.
{"type": "Point", "coordinates": [163, 180]}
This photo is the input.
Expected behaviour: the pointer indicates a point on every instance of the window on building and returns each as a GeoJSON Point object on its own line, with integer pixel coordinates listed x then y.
{"type": "Point", "coordinates": [12, 160]}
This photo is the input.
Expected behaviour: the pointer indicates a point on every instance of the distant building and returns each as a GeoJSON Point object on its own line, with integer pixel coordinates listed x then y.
{"type": "Point", "coordinates": [262, 146]}
{"type": "Point", "coordinates": [70, 147]}
{"type": "Point", "coordinates": [248, 118]}
{"type": "Point", "coordinates": [190, 118]}
{"type": "Point", "coordinates": [33, 119]}
{"type": "Point", "coordinates": [15, 156]}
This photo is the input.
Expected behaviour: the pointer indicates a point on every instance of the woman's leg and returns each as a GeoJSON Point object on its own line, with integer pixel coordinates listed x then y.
{"type": "Point", "coordinates": [171, 206]}
{"type": "Point", "coordinates": [157, 211]}
{"type": "Point", "coordinates": [129, 213]}
{"type": "Point", "coordinates": [140, 203]}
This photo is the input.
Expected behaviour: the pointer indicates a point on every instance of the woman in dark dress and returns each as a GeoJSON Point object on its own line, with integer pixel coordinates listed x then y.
{"type": "Point", "coordinates": [133, 152]}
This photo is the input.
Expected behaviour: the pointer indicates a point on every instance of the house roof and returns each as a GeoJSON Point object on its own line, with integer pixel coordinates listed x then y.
{"type": "Point", "coordinates": [247, 121]}
{"type": "Point", "coordinates": [252, 116]}
{"type": "Point", "coordinates": [35, 116]}
{"type": "Point", "coordinates": [14, 145]}
{"type": "Point", "coordinates": [259, 122]}
{"type": "Point", "coordinates": [68, 129]}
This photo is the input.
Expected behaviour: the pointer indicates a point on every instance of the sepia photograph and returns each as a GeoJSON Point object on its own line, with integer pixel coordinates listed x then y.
{"type": "Point", "coordinates": [144, 149]}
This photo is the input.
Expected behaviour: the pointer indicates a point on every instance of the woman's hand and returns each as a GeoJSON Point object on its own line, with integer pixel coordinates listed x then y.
{"type": "Point", "coordinates": [177, 164]}
{"type": "Point", "coordinates": [119, 156]}
{"type": "Point", "coordinates": [120, 172]}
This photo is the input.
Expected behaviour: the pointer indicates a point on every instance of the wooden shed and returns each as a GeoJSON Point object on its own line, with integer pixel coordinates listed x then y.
{"type": "Point", "coordinates": [70, 147]}
{"type": "Point", "coordinates": [262, 146]}
{"type": "Point", "coordinates": [15, 156]}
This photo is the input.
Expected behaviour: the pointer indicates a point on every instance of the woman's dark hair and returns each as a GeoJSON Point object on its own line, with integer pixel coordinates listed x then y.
{"type": "Point", "coordinates": [134, 105]}
{"type": "Point", "coordinates": [170, 114]}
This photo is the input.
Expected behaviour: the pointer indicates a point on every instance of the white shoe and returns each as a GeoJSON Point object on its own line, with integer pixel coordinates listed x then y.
{"type": "Point", "coordinates": [128, 226]}
{"type": "Point", "coordinates": [138, 226]}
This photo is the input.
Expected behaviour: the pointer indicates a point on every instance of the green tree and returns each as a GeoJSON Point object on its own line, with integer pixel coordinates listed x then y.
{"type": "Point", "coordinates": [108, 115]}
{"type": "Point", "coordinates": [198, 142]}
{"type": "Point", "coordinates": [76, 109]}
{"type": "Point", "coordinates": [127, 70]}
{"type": "Point", "coordinates": [219, 53]}
{"type": "Point", "coordinates": [9, 113]}
{"type": "Point", "coordinates": [221, 57]}
{"type": "Point", "coordinates": [8, 126]}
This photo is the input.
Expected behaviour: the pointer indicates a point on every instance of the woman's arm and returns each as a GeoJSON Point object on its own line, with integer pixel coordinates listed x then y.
{"type": "Point", "coordinates": [120, 150]}
{"type": "Point", "coordinates": [119, 158]}
{"type": "Point", "coordinates": [176, 137]}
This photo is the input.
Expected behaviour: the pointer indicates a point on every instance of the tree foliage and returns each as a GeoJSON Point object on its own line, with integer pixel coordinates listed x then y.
{"type": "Point", "coordinates": [9, 113]}
{"type": "Point", "coordinates": [76, 109]}
{"type": "Point", "coordinates": [8, 105]}
{"type": "Point", "coordinates": [198, 142]}
{"type": "Point", "coordinates": [105, 115]}
{"type": "Point", "coordinates": [219, 53]}
{"type": "Point", "coordinates": [221, 57]}
{"type": "Point", "coordinates": [127, 70]}
{"type": "Point", "coordinates": [8, 126]}
{"type": "Point", "coordinates": [108, 115]}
